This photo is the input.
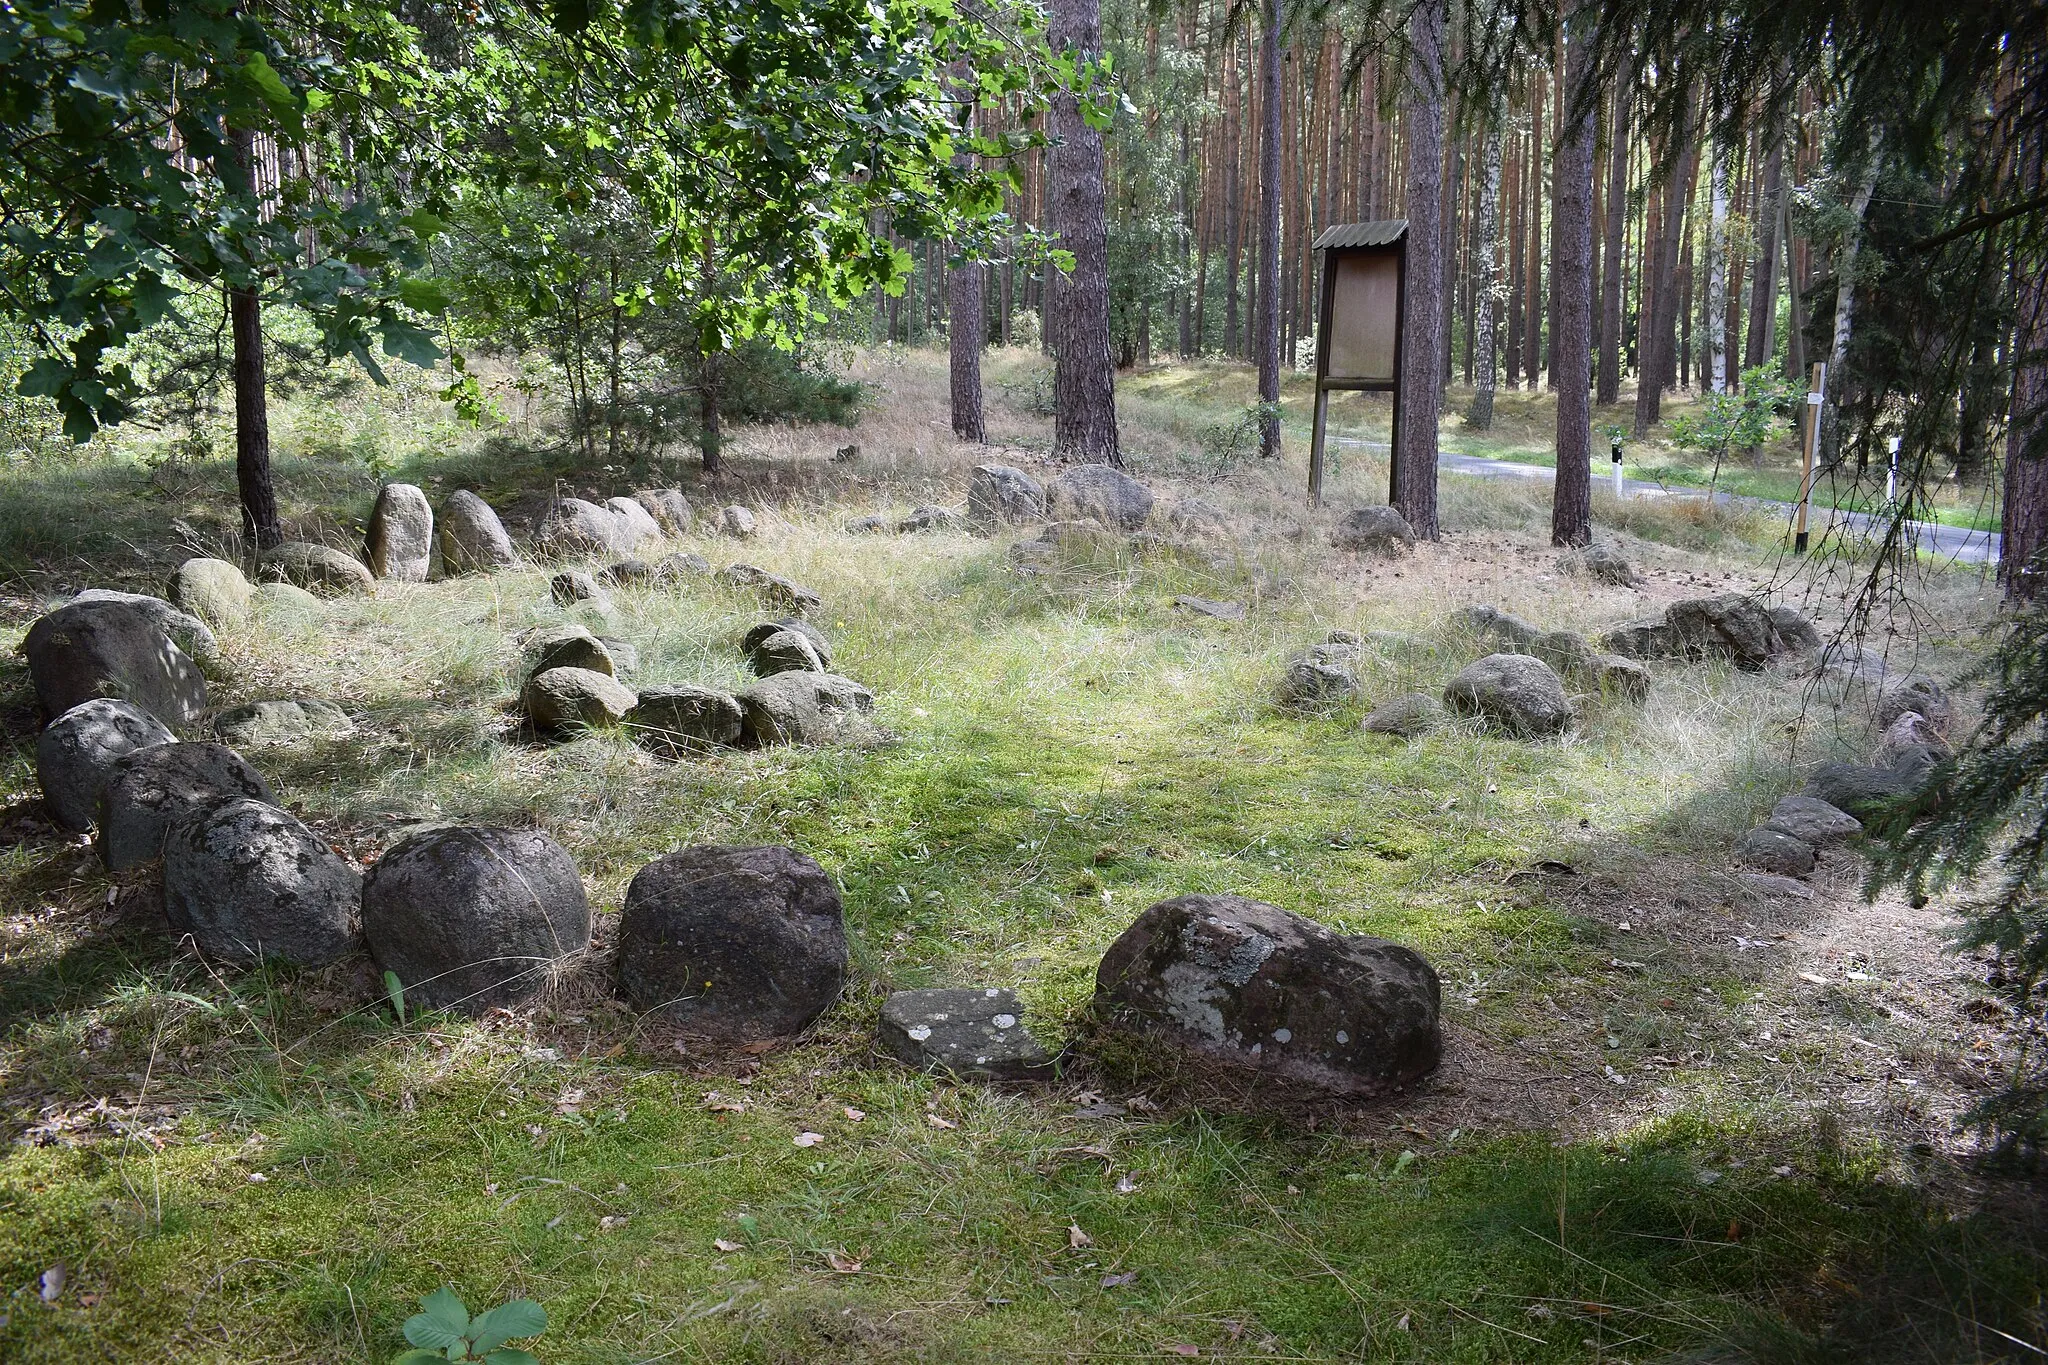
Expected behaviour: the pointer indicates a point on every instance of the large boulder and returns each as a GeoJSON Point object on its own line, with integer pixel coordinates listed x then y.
{"type": "Point", "coordinates": [1620, 677]}
{"type": "Point", "coordinates": [149, 791]}
{"type": "Point", "coordinates": [470, 918]}
{"type": "Point", "coordinates": [1650, 638]}
{"type": "Point", "coordinates": [1603, 563]}
{"type": "Point", "coordinates": [1000, 495]}
{"type": "Point", "coordinates": [677, 720]}
{"type": "Point", "coordinates": [1095, 491]}
{"type": "Point", "coordinates": [635, 520]}
{"type": "Point", "coordinates": [566, 701]}
{"type": "Point", "coordinates": [401, 538]}
{"type": "Point", "coordinates": [1862, 791]}
{"type": "Point", "coordinates": [1564, 650]}
{"type": "Point", "coordinates": [976, 1033]}
{"type": "Point", "coordinates": [733, 944]}
{"type": "Point", "coordinates": [213, 590]}
{"type": "Point", "coordinates": [1250, 984]}
{"type": "Point", "coordinates": [775, 590]}
{"type": "Point", "coordinates": [1377, 530]}
{"type": "Point", "coordinates": [112, 649]}
{"type": "Point", "coordinates": [785, 651]}
{"type": "Point", "coordinates": [473, 540]}
{"type": "Point", "coordinates": [819, 644]}
{"type": "Point", "coordinates": [1816, 822]}
{"type": "Point", "coordinates": [571, 526]}
{"type": "Point", "coordinates": [1732, 626]}
{"type": "Point", "coordinates": [187, 631]}
{"type": "Point", "coordinates": [669, 508]}
{"type": "Point", "coordinates": [1406, 716]}
{"type": "Point", "coordinates": [807, 708]}
{"type": "Point", "coordinates": [288, 721]}
{"type": "Point", "coordinates": [1517, 693]}
{"type": "Point", "coordinates": [1769, 849]}
{"type": "Point", "coordinates": [568, 646]}
{"type": "Point", "coordinates": [248, 881]}
{"type": "Point", "coordinates": [1794, 630]}
{"type": "Point", "coordinates": [76, 753]}
{"type": "Point", "coordinates": [320, 569]}
{"type": "Point", "coordinates": [1500, 627]}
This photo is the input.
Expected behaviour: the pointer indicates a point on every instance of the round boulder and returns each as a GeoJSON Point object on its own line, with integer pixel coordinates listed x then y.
{"type": "Point", "coordinates": [1516, 693]}
{"type": "Point", "coordinates": [733, 944]}
{"type": "Point", "coordinates": [151, 790]}
{"type": "Point", "coordinates": [669, 508]}
{"type": "Point", "coordinates": [1252, 985]}
{"type": "Point", "coordinates": [213, 590]}
{"type": "Point", "coordinates": [1096, 491]}
{"type": "Point", "coordinates": [1620, 677]}
{"type": "Point", "coordinates": [1813, 820]}
{"type": "Point", "coordinates": [1407, 716]}
{"type": "Point", "coordinates": [401, 539]}
{"type": "Point", "coordinates": [112, 649]}
{"type": "Point", "coordinates": [1000, 495]}
{"type": "Point", "coordinates": [470, 918]}
{"type": "Point", "coordinates": [187, 631]}
{"type": "Point", "coordinates": [807, 708]}
{"type": "Point", "coordinates": [1373, 530]}
{"type": "Point", "coordinates": [571, 526]}
{"type": "Point", "coordinates": [1773, 850]}
{"type": "Point", "coordinates": [568, 646]}
{"type": "Point", "coordinates": [736, 521]}
{"type": "Point", "coordinates": [573, 585]}
{"type": "Point", "coordinates": [636, 521]}
{"type": "Point", "coordinates": [473, 540]}
{"type": "Point", "coordinates": [248, 881]}
{"type": "Point", "coordinates": [76, 753]}
{"type": "Point", "coordinates": [1901, 693]}
{"type": "Point", "coordinates": [565, 701]}
{"type": "Point", "coordinates": [785, 651]}
{"type": "Point", "coordinates": [678, 720]}
{"type": "Point", "coordinates": [319, 569]}
{"type": "Point", "coordinates": [680, 567]}
{"type": "Point", "coordinates": [819, 644]}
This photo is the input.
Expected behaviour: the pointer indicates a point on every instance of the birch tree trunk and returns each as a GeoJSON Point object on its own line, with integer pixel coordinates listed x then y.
{"type": "Point", "coordinates": [1491, 284]}
{"type": "Point", "coordinates": [1845, 313]}
{"type": "Point", "coordinates": [1717, 271]}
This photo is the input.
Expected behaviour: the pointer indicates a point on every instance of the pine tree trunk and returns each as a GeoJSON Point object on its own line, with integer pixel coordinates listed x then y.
{"type": "Point", "coordinates": [1270, 115]}
{"type": "Point", "coordinates": [1491, 286]}
{"type": "Point", "coordinates": [1233, 227]}
{"type": "Point", "coordinates": [1571, 238]}
{"type": "Point", "coordinates": [1659, 350]}
{"type": "Point", "coordinates": [964, 290]}
{"type": "Point", "coordinates": [1763, 286]}
{"type": "Point", "coordinates": [2024, 517]}
{"type": "Point", "coordinates": [260, 526]}
{"type": "Point", "coordinates": [1616, 224]}
{"type": "Point", "coordinates": [1413, 491]}
{"type": "Point", "coordinates": [1532, 313]}
{"type": "Point", "coordinates": [1084, 371]}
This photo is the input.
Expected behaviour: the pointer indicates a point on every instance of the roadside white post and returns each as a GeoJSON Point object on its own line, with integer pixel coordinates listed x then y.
{"type": "Point", "coordinates": [1891, 475]}
{"type": "Point", "coordinates": [1614, 453]}
{"type": "Point", "coordinates": [1809, 436]}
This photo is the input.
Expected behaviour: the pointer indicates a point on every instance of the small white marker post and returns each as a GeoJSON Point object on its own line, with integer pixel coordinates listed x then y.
{"type": "Point", "coordinates": [1614, 453]}
{"type": "Point", "coordinates": [1809, 438]}
{"type": "Point", "coordinates": [1891, 475]}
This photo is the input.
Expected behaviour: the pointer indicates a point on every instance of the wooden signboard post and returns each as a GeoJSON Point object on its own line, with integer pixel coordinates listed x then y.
{"type": "Point", "coordinates": [1358, 327]}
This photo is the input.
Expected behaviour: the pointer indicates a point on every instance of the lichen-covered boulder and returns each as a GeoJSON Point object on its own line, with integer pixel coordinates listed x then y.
{"type": "Point", "coordinates": [1097, 492]}
{"type": "Point", "coordinates": [1794, 630]}
{"type": "Point", "coordinates": [1564, 650]}
{"type": "Point", "coordinates": [288, 721]}
{"type": "Point", "coordinates": [1250, 984]}
{"type": "Point", "coordinates": [572, 526]}
{"type": "Point", "coordinates": [732, 944]}
{"type": "Point", "coordinates": [677, 720]}
{"type": "Point", "coordinates": [1320, 678]}
{"type": "Point", "coordinates": [1912, 745]}
{"type": "Point", "coordinates": [1406, 716]}
{"type": "Point", "coordinates": [1501, 627]}
{"type": "Point", "coordinates": [1732, 626]}
{"type": "Point", "coordinates": [976, 1033]}
{"type": "Point", "coordinates": [635, 521]}
{"type": "Point", "coordinates": [401, 536]}
{"type": "Point", "coordinates": [679, 567]}
{"type": "Point", "coordinates": [149, 791]}
{"type": "Point", "coordinates": [567, 701]}
{"type": "Point", "coordinates": [1813, 820]}
{"type": "Point", "coordinates": [473, 540]}
{"type": "Point", "coordinates": [1650, 638]}
{"type": "Point", "coordinates": [778, 592]}
{"type": "Point", "coordinates": [213, 590]}
{"type": "Point", "coordinates": [1000, 495]}
{"type": "Point", "coordinates": [1773, 850]}
{"type": "Point", "coordinates": [568, 645]}
{"type": "Point", "coordinates": [1377, 530]}
{"type": "Point", "coordinates": [320, 569]}
{"type": "Point", "coordinates": [1517, 693]}
{"type": "Point", "coordinates": [669, 508]}
{"type": "Point", "coordinates": [248, 881]}
{"type": "Point", "coordinates": [571, 586]}
{"type": "Point", "coordinates": [76, 753]}
{"type": "Point", "coordinates": [1621, 677]}
{"type": "Point", "coordinates": [1900, 693]}
{"type": "Point", "coordinates": [807, 708]}
{"type": "Point", "coordinates": [112, 649]}
{"type": "Point", "coordinates": [470, 918]}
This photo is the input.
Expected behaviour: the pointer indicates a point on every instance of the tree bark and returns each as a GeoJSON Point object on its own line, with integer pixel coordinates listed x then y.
{"type": "Point", "coordinates": [1659, 351]}
{"type": "Point", "coordinates": [1571, 248]}
{"type": "Point", "coordinates": [260, 525]}
{"type": "Point", "coordinates": [1413, 491]}
{"type": "Point", "coordinates": [964, 291]}
{"type": "Point", "coordinates": [1845, 314]}
{"type": "Point", "coordinates": [1762, 340]}
{"type": "Point", "coordinates": [1490, 287]}
{"type": "Point", "coordinates": [2024, 516]}
{"type": "Point", "coordinates": [1714, 364]}
{"type": "Point", "coordinates": [1084, 370]}
{"type": "Point", "coordinates": [1615, 226]}
{"type": "Point", "coordinates": [1270, 114]}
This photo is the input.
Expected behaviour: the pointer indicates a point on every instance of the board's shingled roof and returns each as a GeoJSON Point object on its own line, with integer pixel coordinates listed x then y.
{"type": "Point", "coordinates": [1384, 232]}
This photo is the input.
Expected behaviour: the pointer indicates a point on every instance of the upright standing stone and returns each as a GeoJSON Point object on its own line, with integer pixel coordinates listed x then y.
{"type": "Point", "coordinates": [401, 540]}
{"type": "Point", "coordinates": [473, 540]}
{"type": "Point", "coordinates": [471, 918]}
{"type": "Point", "coordinates": [637, 522]}
{"type": "Point", "coordinates": [214, 590]}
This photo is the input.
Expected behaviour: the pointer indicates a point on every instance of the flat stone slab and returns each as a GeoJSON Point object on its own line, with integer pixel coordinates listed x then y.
{"type": "Point", "coordinates": [975, 1032]}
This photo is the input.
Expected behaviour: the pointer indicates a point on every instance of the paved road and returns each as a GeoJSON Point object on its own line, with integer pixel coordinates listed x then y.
{"type": "Point", "coordinates": [1958, 543]}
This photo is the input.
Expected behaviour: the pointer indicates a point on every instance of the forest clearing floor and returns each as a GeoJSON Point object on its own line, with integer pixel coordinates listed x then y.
{"type": "Point", "coordinates": [1677, 1119]}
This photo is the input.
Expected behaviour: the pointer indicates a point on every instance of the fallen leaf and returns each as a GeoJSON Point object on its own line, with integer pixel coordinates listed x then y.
{"type": "Point", "coordinates": [937, 1122]}
{"type": "Point", "coordinates": [808, 1139]}
{"type": "Point", "coordinates": [1076, 1239]}
{"type": "Point", "coordinates": [1815, 977]}
{"type": "Point", "coordinates": [841, 1262]}
{"type": "Point", "coordinates": [52, 1283]}
{"type": "Point", "coordinates": [1126, 1185]}
{"type": "Point", "coordinates": [1178, 1348]}
{"type": "Point", "coordinates": [726, 1107]}
{"type": "Point", "coordinates": [1138, 1104]}
{"type": "Point", "coordinates": [721, 1244]}
{"type": "Point", "coordinates": [855, 1114]}
{"type": "Point", "coordinates": [1119, 1281]}
{"type": "Point", "coordinates": [1401, 1325]}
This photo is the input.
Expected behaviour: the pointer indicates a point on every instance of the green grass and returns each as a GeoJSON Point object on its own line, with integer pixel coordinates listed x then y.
{"type": "Point", "coordinates": [1067, 750]}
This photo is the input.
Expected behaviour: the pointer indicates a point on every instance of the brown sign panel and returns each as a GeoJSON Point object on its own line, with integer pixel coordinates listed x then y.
{"type": "Point", "coordinates": [1365, 316]}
